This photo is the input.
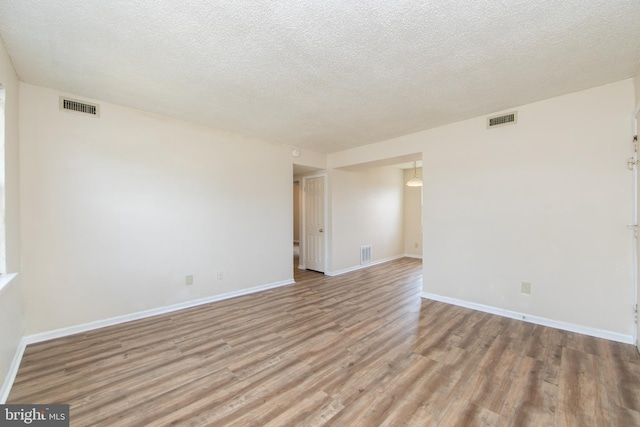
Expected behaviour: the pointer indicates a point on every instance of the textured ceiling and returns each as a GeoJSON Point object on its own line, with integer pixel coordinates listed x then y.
{"type": "Point", "coordinates": [323, 75]}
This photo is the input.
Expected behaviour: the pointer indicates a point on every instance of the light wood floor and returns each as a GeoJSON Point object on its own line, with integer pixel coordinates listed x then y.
{"type": "Point", "coordinates": [361, 349]}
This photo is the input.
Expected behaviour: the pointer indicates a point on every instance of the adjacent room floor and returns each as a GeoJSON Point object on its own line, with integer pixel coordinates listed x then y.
{"type": "Point", "coordinates": [360, 349]}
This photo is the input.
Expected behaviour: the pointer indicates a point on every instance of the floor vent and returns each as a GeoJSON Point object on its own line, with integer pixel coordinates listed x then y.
{"type": "Point", "coordinates": [502, 120]}
{"type": "Point", "coordinates": [365, 254]}
{"type": "Point", "coordinates": [67, 104]}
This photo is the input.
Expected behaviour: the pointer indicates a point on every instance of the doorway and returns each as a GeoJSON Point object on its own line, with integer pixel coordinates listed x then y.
{"type": "Point", "coordinates": [300, 174]}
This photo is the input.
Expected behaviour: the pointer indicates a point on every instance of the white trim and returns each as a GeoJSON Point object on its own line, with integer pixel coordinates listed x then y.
{"type": "Point", "coordinates": [13, 371]}
{"type": "Point", "coordinates": [5, 279]}
{"type": "Point", "coordinates": [360, 267]}
{"type": "Point", "coordinates": [634, 221]}
{"type": "Point", "coordinates": [10, 377]}
{"type": "Point", "coordinates": [58, 333]}
{"type": "Point", "coordinates": [412, 256]}
{"type": "Point", "coordinates": [584, 330]}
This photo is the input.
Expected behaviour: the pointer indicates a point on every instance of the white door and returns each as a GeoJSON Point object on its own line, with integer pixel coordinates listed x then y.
{"type": "Point", "coordinates": [314, 223]}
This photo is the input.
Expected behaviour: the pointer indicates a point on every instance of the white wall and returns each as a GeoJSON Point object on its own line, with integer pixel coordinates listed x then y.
{"type": "Point", "coordinates": [412, 216]}
{"type": "Point", "coordinates": [310, 159]}
{"type": "Point", "coordinates": [366, 208]}
{"type": "Point", "coordinates": [11, 324]}
{"type": "Point", "coordinates": [636, 81]}
{"type": "Point", "coordinates": [116, 211]}
{"type": "Point", "coordinates": [545, 201]}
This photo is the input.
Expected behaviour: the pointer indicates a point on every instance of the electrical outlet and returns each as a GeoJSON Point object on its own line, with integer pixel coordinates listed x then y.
{"type": "Point", "coordinates": [525, 288]}
{"type": "Point", "coordinates": [220, 275]}
{"type": "Point", "coordinates": [190, 280]}
{"type": "Point", "coordinates": [416, 246]}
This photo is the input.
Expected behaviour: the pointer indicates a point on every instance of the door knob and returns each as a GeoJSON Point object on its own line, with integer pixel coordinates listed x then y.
{"type": "Point", "coordinates": [322, 230]}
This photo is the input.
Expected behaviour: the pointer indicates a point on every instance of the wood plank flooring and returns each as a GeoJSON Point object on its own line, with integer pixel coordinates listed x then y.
{"type": "Point", "coordinates": [361, 349]}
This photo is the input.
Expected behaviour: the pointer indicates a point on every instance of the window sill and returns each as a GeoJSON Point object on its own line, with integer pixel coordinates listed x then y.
{"type": "Point", "coordinates": [5, 279]}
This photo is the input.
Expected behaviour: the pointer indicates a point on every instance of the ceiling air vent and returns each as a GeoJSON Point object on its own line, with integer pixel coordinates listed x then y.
{"type": "Point", "coordinates": [68, 104]}
{"type": "Point", "coordinates": [502, 120]}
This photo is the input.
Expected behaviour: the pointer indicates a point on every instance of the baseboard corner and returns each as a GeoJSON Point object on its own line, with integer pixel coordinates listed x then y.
{"type": "Point", "coordinates": [13, 371]}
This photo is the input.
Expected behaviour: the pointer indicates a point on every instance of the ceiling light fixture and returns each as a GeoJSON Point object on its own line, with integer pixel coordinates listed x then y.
{"type": "Point", "coordinates": [415, 181]}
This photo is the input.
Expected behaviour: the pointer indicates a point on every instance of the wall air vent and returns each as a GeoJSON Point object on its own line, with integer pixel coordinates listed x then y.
{"type": "Point", "coordinates": [76, 106]}
{"type": "Point", "coordinates": [502, 120]}
{"type": "Point", "coordinates": [365, 254]}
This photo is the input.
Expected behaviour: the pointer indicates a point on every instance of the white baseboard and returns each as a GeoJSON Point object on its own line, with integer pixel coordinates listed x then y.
{"type": "Point", "coordinates": [13, 371]}
{"type": "Point", "coordinates": [594, 332]}
{"type": "Point", "coordinates": [360, 267]}
{"type": "Point", "coordinates": [412, 256]}
{"type": "Point", "coordinates": [63, 332]}
{"type": "Point", "coordinates": [58, 333]}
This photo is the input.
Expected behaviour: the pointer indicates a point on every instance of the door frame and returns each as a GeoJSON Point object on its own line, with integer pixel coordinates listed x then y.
{"type": "Point", "coordinates": [303, 243]}
{"type": "Point", "coordinates": [636, 246]}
